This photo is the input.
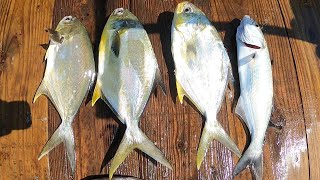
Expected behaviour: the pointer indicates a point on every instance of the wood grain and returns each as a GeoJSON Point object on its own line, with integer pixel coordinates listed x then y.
{"type": "Point", "coordinates": [291, 30]}
{"type": "Point", "coordinates": [23, 125]}
{"type": "Point", "coordinates": [304, 42]}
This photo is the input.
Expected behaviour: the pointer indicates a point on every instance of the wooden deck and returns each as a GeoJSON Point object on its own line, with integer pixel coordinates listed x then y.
{"type": "Point", "coordinates": [292, 30]}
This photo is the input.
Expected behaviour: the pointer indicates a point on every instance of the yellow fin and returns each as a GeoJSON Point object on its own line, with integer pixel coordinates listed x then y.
{"type": "Point", "coordinates": [180, 91]}
{"type": "Point", "coordinates": [97, 94]}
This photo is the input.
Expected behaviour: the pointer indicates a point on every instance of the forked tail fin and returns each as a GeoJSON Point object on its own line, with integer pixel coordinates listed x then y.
{"type": "Point", "coordinates": [136, 139]}
{"type": "Point", "coordinates": [210, 132]}
{"type": "Point", "coordinates": [254, 158]}
{"type": "Point", "coordinates": [63, 133]}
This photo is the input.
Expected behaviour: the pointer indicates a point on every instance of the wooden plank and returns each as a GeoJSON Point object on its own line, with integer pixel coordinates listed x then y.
{"type": "Point", "coordinates": [23, 125]}
{"type": "Point", "coordinates": [303, 20]}
{"type": "Point", "coordinates": [175, 128]}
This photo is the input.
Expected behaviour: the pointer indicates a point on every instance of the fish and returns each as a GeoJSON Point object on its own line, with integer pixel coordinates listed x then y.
{"type": "Point", "coordinates": [127, 73]}
{"type": "Point", "coordinates": [69, 74]}
{"type": "Point", "coordinates": [255, 103]}
{"type": "Point", "coordinates": [202, 71]}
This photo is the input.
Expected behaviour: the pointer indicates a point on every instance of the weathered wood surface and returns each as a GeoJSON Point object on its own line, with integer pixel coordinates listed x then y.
{"type": "Point", "coordinates": [23, 125]}
{"type": "Point", "coordinates": [292, 31]}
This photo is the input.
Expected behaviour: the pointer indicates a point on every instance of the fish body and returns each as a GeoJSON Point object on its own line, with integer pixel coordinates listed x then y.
{"type": "Point", "coordinates": [68, 76]}
{"type": "Point", "coordinates": [255, 102]}
{"type": "Point", "coordinates": [202, 70]}
{"type": "Point", "coordinates": [128, 71]}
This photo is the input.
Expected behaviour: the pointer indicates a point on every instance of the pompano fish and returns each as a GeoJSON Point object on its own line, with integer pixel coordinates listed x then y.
{"type": "Point", "coordinates": [68, 76]}
{"type": "Point", "coordinates": [202, 71]}
{"type": "Point", "coordinates": [128, 71]}
{"type": "Point", "coordinates": [255, 102]}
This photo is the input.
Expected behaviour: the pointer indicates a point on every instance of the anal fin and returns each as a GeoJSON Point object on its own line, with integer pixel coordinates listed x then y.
{"type": "Point", "coordinates": [42, 90]}
{"type": "Point", "coordinates": [97, 94]}
{"type": "Point", "coordinates": [239, 109]}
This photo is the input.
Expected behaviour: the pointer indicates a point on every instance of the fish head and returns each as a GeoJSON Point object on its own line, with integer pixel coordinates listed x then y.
{"type": "Point", "coordinates": [122, 18]}
{"type": "Point", "coordinates": [69, 25]}
{"type": "Point", "coordinates": [250, 34]}
{"type": "Point", "coordinates": [188, 17]}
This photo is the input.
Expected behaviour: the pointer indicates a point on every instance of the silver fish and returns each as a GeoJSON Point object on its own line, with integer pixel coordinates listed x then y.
{"type": "Point", "coordinates": [202, 71]}
{"type": "Point", "coordinates": [128, 71]}
{"type": "Point", "coordinates": [68, 76]}
{"type": "Point", "coordinates": [255, 102]}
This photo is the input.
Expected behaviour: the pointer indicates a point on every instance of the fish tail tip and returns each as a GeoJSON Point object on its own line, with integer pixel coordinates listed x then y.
{"type": "Point", "coordinates": [198, 165]}
{"type": "Point", "coordinates": [201, 151]}
{"type": "Point", "coordinates": [250, 157]}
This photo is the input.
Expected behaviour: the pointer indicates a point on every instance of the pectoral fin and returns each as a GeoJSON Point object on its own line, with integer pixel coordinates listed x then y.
{"type": "Point", "coordinates": [55, 36]}
{"type": "Point", "coordinates": [180, 91]}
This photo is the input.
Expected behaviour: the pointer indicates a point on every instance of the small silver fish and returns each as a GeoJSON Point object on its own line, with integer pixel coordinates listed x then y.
{"type": "Point", "coordinates": [202, 71]}
{"type": "Point", "coordinates": [255, 102]}
{"type": "Point", "coordinates": [128, 72]}
{"type": "Point", "coordinates": [69, 74]}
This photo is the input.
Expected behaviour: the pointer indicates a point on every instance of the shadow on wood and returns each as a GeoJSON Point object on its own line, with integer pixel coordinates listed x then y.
{"type": "Point", "coordinates": [164, 23]}
{"type": "Point", "coordinates": [114, 145]}
{"type": "Point", "coordinates": [14, 115]}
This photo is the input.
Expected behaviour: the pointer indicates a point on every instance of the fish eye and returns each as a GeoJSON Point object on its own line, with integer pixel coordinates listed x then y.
{"type": "Point", "coordinates": [68, 19]}
{"type": "Point", "coordinates": [187, 10]}
{"type": "Point", "coordinates": [119, 11]}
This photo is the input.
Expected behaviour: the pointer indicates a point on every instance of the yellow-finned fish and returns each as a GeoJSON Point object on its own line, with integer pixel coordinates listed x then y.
{"type": "Point", "coordinates": [255, 102]}
{"type": "Point", "coordinates": [202, 69]}
{"type": "Point", "coordinates": [128, 71]}
{"type": "Point", "coordinates": [69, 74]}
